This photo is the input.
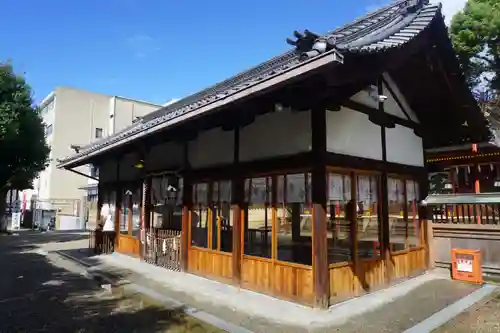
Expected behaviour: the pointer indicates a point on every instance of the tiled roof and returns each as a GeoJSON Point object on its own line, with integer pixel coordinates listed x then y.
{"type": "Point", "coordinates": [388, 27]}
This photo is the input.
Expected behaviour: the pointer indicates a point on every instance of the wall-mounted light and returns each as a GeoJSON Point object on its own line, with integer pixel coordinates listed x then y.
{"type": "Point", "coordinates": [278, 107]}
{"type": "Point", "coordinates": [139, 164]}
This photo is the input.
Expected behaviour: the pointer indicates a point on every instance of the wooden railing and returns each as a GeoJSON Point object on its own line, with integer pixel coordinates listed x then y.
{"type": "Point", "coordinates": [466, 213]}
{"type": "Point", "coordinates": [163, 248]}
{"type": "Point", "coordinates": [102, 242]}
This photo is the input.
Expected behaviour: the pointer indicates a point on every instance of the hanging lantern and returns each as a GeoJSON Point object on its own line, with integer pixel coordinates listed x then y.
{"type": "Point", "coordinates": [479, 168]}
{"type": "Point", "coordinates": [468, 169]}
{"type": "Point", "coordinates": [491, 167]}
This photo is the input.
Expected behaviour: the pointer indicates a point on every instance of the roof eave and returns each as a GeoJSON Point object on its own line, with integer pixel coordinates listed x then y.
{"type": "Point", "coordinates": [304, 67]}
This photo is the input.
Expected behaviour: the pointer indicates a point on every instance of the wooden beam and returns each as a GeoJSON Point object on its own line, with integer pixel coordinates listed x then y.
{"type": "Point", "coordinates": [354, 227]}
{"type": "Point", "coordinates": [100, 200]}
{"type": "Point", "coordinates": [187, 198]}
{"type": "Point", "coordinates": [237, 207]}
{"type": "Point", "coordinates": [118, 203]}
{"type": "Point", "coordinates": [396, 98]}
{"type": "Point", "coordinates": [384, 216]}
{"type": "Point", "coordinates": [145, 202]}
{"type": "Point", "coordinates": [382, 119]}
{"type": "Point", "coordinates": [318, 192]}
{"type": "Point", "coordinates": [130, 207]}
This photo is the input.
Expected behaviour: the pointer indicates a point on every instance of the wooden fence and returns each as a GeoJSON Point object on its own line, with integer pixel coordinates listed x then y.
{"type": "Point", "coordinates": [467, 226]}
{"type": "Point", "coordinates": [162, 248]}
{"type": "Point", "coordinates": [102, 242]}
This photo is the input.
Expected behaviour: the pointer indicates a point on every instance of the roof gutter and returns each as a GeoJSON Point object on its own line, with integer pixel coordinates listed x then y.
{"type": "Point", "coordinates": [332, 56]}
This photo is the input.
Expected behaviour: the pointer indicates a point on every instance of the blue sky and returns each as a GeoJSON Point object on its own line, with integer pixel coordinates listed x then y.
{"type": "Point", "coordinates": [154, 50]}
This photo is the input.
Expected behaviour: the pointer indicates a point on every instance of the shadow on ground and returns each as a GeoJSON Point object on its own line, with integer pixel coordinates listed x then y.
{"type": "Point", "coordinates": [37, 294]}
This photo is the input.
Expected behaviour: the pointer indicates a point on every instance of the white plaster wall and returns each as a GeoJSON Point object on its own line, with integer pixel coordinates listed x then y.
{"type": "Point", "coordinates": [391, 106]}
{"type": "Point", "coordinates": [404, 147]}
{"type": "Point", "coordinates": [168, 155]}
{"type": "Point", "coordinates": [212, 147]}
{"type": "Point", "coordinates": [369, 97]}
{"type": "Point", "coordinates": [365, 97]}
{"type": "Point", "coordinates": [276, 134]}
{"type": "Point", "coordinates": [351, 133]}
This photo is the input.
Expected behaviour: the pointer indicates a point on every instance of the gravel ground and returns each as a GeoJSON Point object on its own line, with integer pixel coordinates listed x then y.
{"type": "Point", "coordinates": [42, 292]}
{"type": "Point", "coordinates": [394, 317]}
{"type": "Point", "coordinates": [410, 309]}
{"type": "Point", "coordinates": [482, 318]}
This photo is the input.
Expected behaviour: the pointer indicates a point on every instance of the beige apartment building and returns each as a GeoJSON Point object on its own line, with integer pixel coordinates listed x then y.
{"type": "Point", "coordinates": [77, 117]}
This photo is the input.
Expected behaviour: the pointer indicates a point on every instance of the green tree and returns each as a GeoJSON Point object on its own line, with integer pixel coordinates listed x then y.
{"type": "Point", "coordinates": [475, 33]}
{"type": "Point", "coordinates": [23, 150]}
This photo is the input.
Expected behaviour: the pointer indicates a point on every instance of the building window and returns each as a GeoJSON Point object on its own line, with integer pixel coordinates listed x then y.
{"type": "Point", "coordinates": [340, 212]}
{"type": "Point", "coordinates": [48, 130]}
{"type": "Point", "coordinates": [98, 133]}
{"type": "Point", "coordinates": [294, 219]}
{"type": "Point", "coordinates": [258, 217]}
{"type": "Point", "coordinates": [199, 216]}
{"type": "Point", "coordinates": [221, 216]}
{"type": "Point", "coordinates": [404, 223]}
{"type": "Point", "coordinates": [367, 217]}
{"type": "Point", "coordinates": [50, 107]}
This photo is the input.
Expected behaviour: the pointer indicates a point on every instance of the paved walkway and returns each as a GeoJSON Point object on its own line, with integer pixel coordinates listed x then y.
{"type": "Point", "coordinates": [42, 292]}
{"type": "Point", "coordinates": [396, 309]}
{"type": "Point", "coordinates": [402, 308]}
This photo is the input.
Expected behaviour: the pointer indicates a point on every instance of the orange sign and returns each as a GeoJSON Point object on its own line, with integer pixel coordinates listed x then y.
{"type": "Point", "coordinates": [466, 265]}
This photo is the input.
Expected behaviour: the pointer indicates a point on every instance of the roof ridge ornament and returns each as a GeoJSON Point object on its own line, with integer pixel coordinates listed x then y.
{"type": "Point", "coordinates": [310, 44]}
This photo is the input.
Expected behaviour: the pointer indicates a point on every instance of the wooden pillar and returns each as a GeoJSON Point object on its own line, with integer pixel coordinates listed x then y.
{"type": "Point", "coordinates": [187, 198]}
{"type": "Point", "coordinates": [237, 208]}
{"type": "Point", "coordinates": [384, 200]}
{"type": "Point", "coordinates": [425, 219]}
{"type": "Point", "coordinates": [118, 202]}
{"type": "Point", "coordinates": [318, 195]}
{"type": "Point", "coordinates": [477, 185]}
{"type": "Point", "coordinates": [145, 212]}
{"type": "Point", "coordinates": [100, 200]}
{"type": "Point", "coordinates": [130, 208]}
{"type": "Point", "coordinates": [354, 226]}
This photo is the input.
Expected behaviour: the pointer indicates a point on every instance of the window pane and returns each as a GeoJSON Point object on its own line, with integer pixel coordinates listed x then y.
{"type": "Point", "coordinates": [108, 211]}
{"type": "Point", "coordinates": [136, 210]}
{"type": "Point", "coordinates": [368, 217]}
{"type": "Point", "coordinates": [222, 215]}
{"type": "Point", "coordinates": [412, 196]}
{"type": "Point", "coordinates": [293, 220]}
{"type": "Point", "coordinates": [397, 224]}
{"type": "Point", "coordinates": [339, 213]}
{"type": "Point", "coordinates": [199, 216]}
{"type": "Point", "coordinates": [124, 212]}
{"type": "Point", "coordinates": [258, 217]}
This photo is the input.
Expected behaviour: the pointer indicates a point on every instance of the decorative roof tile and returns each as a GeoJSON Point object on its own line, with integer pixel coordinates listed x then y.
{"type": "Point", "coordinates": [388, 27]}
